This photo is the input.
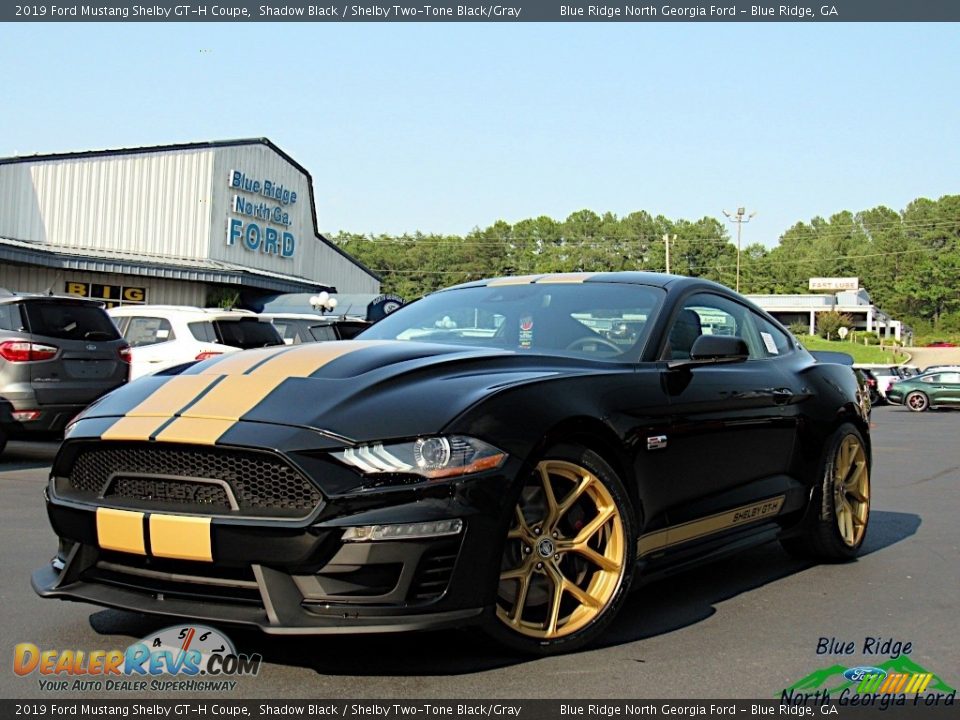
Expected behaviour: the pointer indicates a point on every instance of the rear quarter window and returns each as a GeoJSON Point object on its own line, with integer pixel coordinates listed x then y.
{"type": "Point", "coordinates": [203, 331]}
{"type": "Point", "coordinates": [69, 321]}
{"type": "Point", "coordinates": [10, 317]}
{"type": "Point", "coordinates": [247, 334]}
{"type": "Point", "coordinates": [323, 333]}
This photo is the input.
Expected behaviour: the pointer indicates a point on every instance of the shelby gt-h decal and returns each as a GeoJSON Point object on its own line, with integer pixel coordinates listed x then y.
{"type": "Point", "coordinates": [482, 455]}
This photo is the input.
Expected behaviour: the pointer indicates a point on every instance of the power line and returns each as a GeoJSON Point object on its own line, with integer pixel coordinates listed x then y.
{"type": "Point", "coordinates": [599, 241]}
{"type": "Point", "coordinates": [795, 261]}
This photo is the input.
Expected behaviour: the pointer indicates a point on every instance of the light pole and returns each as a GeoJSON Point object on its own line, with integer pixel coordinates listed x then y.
{"type": "Point", "coordinates": [739, 220]}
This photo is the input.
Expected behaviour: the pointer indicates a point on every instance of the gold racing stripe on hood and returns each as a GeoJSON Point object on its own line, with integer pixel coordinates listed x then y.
{"type": "Point", "coordinates": [143, 420]}
{"type": "Point", "coordinates": [206, 420]}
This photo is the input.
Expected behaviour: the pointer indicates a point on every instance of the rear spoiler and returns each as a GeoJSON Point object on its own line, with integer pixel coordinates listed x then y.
{"type": "Point", "coordinates": [829, 356]}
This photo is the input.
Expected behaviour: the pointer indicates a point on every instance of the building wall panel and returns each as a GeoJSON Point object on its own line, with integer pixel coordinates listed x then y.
{"type": "Point", "coordinates": [28, 278]}
{"type": "Point", "coordinates": [148, 203]}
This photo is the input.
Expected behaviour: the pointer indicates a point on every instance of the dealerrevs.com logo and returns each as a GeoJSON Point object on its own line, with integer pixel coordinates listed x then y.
{"type": "Point", "coordinates": [182, 657]}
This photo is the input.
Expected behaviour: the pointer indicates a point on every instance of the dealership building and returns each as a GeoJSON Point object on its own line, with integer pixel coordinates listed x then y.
{"type": "Point", "coordinates": [174, 224]}
{"type": "Point", "coordinates": [841, 295]}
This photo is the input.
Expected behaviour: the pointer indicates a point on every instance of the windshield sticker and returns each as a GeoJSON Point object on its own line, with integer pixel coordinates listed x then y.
{"type": "Point", "coordinates": [771, 345]}
{"type": "Point", "coordinates": [526, 332]}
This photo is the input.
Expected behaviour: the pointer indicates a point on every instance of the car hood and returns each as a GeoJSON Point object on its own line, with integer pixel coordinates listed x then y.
{"type": "Point", "coordinates": [355, 390]}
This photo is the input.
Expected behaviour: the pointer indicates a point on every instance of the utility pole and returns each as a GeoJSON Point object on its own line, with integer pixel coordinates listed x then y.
{"type": "Point", "coordinates": [739, 220]}
{"type": "Point", "coordinates": [666, 241]}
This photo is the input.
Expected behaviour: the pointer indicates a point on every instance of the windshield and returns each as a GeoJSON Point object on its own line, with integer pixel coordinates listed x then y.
{"type": "Point", "coordinates": [600, 320]}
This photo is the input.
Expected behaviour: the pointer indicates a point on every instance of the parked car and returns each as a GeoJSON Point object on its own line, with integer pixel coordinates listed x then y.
{"type": "Point", "coordinates": [512, 467]}
{"type": "Point", "coordinates": [941, 368]}
{"type": "Point", "coordinates": [930, 390]}
{"type": "Point", "coordinates": [941, 344]}
{"type": "Point", "coordinates": [871, 383]}
{"type": "Point", "coordinates": [886, 376]}
{"type": "Point", "coordinates": [297, 328]}
{"type": "Point", "coordinates": [57, 355]}
{"type": "Point", "coordinates": [163, 336]}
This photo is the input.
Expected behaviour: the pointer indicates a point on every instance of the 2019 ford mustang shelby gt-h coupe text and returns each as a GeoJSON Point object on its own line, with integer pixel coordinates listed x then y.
{"type": "Point", "coordinates": [512, 452]}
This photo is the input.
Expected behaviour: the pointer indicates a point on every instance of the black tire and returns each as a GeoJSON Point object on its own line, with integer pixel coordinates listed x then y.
{"type": "Point", "coordinates": [3, 441]}
{"type": "Point", "coordinates": [824, 534]}
{"type": "Point", "coordinates": [533, 557]}
{"type": "Point", "coordinates": [917, 401]}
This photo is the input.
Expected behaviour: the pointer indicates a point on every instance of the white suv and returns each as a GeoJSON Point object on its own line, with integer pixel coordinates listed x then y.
{"type": "Point", "coordinates": [162, 336]}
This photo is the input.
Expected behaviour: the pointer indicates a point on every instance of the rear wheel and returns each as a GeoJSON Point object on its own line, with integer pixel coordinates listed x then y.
{"type": "Point", "coordinates": [840, 507]}
{"type": "Point", "coordinates": [568, 557]}
{"type": "Point", "coordinates": [917, 401]}
{"type": "Point", "coordinates": [3, 440]}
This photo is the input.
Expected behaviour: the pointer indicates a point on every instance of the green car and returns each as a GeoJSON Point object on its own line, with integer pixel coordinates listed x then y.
{"type": "Point", "coordinates": [926, 391]}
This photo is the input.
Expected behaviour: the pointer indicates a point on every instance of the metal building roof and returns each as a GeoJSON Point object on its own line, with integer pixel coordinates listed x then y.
{"type": "Point", "coordinates": [129, 263]}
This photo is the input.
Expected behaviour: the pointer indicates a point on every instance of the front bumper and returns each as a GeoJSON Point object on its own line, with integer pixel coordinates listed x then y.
{"type": "Point", "coordinates": [300, 577]}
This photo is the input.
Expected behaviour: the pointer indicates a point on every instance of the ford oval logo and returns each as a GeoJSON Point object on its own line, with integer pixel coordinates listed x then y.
{"type": "Point", "coordinates": [91, 347]}
{"type": "Point", "coordinates": [856, 674]}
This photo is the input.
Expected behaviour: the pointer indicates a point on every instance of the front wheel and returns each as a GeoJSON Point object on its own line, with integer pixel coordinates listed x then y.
{"type": "Point", "coordinates": [917, 401]}
{"type": "Point", "coordinates": [836, 524]}
{"type": "Point", "coordinates": [568, 557]}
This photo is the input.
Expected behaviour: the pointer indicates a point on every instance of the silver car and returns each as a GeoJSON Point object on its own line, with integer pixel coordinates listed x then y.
{"type": "Point", "coordinates": [57, 355]}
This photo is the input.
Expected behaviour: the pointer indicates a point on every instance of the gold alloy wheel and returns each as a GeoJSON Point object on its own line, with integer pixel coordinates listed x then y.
{"type": "Point", "coordinates": [565, 554]}
{"type": "Point", "coordinates": [851, 490]}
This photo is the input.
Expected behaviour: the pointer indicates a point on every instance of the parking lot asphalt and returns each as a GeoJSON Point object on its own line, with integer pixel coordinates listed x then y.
{"type": "Point", "coordinates": [743, 627]}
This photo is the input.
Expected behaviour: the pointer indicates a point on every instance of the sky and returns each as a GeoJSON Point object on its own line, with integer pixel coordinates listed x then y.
{"type": "Point", "coordinates": [442, 127]}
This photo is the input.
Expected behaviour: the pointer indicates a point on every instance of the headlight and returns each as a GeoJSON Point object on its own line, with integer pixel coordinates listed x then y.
{"type": "Point", "coordinates": [431, 457]}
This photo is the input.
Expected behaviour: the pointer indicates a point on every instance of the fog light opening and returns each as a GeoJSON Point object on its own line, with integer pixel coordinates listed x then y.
{"type": "Point", "coordinates": [405, 531]}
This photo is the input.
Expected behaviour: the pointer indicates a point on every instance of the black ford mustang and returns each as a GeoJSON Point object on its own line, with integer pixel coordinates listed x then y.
{"type": "Point", "coordinates": [512, 451]}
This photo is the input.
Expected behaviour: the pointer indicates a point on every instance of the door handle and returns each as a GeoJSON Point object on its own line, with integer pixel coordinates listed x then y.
{"type": "Point", "coordinates": [782, 396]}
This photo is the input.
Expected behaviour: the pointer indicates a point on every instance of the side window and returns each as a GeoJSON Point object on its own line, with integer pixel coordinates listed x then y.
{"type": "Point", "coordinates": [203, 331]}
{"type": "Point", "coordinates": [931, 379]}
{"type": "Point", "coordinates": [148, 331]}
{"type": "Point", "coordinates": [951, 378]}
{"type": "Point", "coordinates": [773, 341]}
{"type": "Point", "coordinates": [707, 314]}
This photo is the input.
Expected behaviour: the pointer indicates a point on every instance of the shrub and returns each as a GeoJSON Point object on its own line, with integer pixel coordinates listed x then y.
{"type": "Point", "coordinates": [829, 323]}
{"type": "Point", "coordinates": [799, 328]}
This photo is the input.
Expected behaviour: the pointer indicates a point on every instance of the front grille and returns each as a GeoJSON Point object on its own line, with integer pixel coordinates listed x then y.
{"type": "Point", "coordinates": [187, 492]}
{"type": "Point", "coordinates": [172, 578]}
{"type": "Point", "coordinates": [201, 478]}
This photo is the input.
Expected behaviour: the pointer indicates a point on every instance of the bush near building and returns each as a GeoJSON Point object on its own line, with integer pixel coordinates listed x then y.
{"type": "Point", "coordinates": [828, 324]}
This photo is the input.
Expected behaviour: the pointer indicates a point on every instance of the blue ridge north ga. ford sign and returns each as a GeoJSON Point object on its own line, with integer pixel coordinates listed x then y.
{"type": "Point", "coordinates": [264, 209]}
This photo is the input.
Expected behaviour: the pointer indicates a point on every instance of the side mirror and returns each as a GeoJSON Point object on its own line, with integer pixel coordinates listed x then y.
{"type": "Point", "coordinates": [714, 350]}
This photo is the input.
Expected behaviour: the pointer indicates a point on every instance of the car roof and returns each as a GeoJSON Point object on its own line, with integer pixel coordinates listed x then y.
{"type": "Point", "coordinates": [195, 313]}
{"type": "Point", "coordinates": [661, 280]}
{"type": "Point", "coordinates": [8, 296]}
{"type": "Point", "coordinates": [297, 316]}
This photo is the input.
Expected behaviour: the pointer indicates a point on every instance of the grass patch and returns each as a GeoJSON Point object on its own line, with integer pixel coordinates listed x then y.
{"type": "Point", "coordinates": [866, 354]}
